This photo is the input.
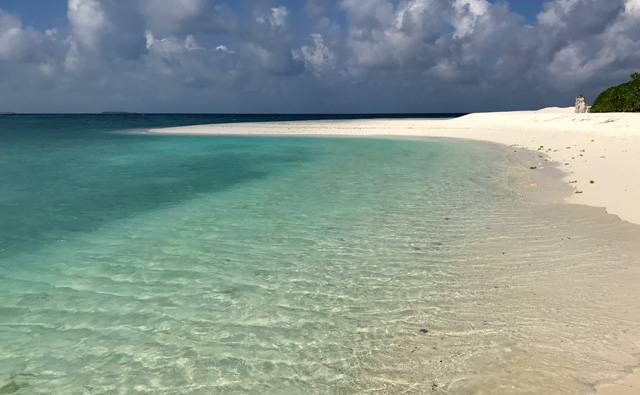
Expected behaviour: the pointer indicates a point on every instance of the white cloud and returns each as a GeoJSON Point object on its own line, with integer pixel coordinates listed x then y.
{"type": "Point", "coordinates": [555, 12]}
{"type": "Point", "coordinates": [279, 16]}
{"type": "Point", "coordinates": [224, 48]}
{"type": "Point", "coordinates": [317, 57]}
{"type": "Point", "coordinates": [632, 7]}
{"type": "Point", "coordinates": [466, 15]}
{"type": "Point", "coordinates": [276, 18]}
{"type": "Point", "coordinates": [88, 22]}
{"type": "Point", "coordinates": [24, 44]}
{"type": "Point", "coordinates": [149, 39]}
{"type": "Point", "coordinates": [12, 37]}
{"type": "Point", "coordinates": [105, 31]}
{"type": "Point", "coordinates": [191, 44]}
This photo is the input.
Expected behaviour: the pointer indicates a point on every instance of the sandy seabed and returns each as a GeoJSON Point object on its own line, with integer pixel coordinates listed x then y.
{"type": "Point", "coordinates": [599, 155]}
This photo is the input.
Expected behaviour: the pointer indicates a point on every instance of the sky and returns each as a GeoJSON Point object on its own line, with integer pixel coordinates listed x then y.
{"type": "Point", "coordinates": [312, 56]}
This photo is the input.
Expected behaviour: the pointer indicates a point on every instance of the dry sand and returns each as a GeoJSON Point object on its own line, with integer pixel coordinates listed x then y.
{"type": "Point", "coordinates": [599, 153]}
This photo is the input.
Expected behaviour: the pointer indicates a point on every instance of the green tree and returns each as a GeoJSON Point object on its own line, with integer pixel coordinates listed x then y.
{"type": "Point", "coordinates": [621, 98]}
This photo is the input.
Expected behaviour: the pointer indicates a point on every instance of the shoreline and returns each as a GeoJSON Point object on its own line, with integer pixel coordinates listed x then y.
{"type": "Point", "coordinates": [598, 155]}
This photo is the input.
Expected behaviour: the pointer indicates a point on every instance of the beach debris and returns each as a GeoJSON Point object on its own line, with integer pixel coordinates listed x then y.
{"type": "Point", "coordinates": [579, 192]}
{"type": "Point", "coordinates": [533, 167]}
{"type": "Point", "coordinates": [573, 182]}
{"type": "Point", "coordinates": [424, 330]}
{"type": "Point", "coordinates": [447, 218]}
{"type": "Point", "coordinates": [434, 386]}
{"type": "Point", "coordinates": [592, 182]}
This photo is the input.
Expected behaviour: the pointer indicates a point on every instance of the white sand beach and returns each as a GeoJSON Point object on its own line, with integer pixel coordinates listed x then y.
{"type": "Point", "coordinates": [599, 153]}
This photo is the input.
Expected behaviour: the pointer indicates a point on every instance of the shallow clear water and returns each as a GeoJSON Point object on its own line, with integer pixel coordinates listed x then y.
{"type": "Point", "coordinates": [142, 264]}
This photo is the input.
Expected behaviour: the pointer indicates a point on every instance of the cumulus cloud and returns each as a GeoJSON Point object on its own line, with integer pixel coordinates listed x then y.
{"type": "Point", "coordinates": [317, 57]}
{"type": "Point", "coordinates": [354, 55]}
{"type": "Point", "coordinates": [110, 28]}
{"type": "Point", "coordinates": [23, 44]}
{"type": "Point", "coordinates": [279, 16]}
{"type": "Point", "coordinates": [88, 21]}
{"type": "Point", "coordinates": [276, 18]}
{"type": "Point", "coordinates": [632, 7]}
{"type": "Point", "coordinates": [467, 13]}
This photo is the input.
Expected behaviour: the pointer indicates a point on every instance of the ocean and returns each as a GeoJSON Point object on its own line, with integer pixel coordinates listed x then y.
{"type": "Point", "coordinates": [132, 263]}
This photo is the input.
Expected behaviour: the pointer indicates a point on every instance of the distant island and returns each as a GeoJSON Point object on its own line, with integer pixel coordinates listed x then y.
{"type": "Point", "coordinates": [622, 98]}
{"type": "Point", "coordinates": [118, 113]}
{"type": "Point", "coordinates": [7, 113]}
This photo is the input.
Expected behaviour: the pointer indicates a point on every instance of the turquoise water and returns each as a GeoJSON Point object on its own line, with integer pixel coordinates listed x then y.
{"type": "Point", "coordinates": [162, 264]}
